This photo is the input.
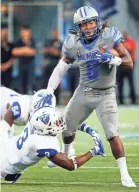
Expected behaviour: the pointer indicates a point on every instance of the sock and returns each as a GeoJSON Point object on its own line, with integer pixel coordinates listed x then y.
{"type": "Point", "coordinates": [121, 162]}
{"type": "Point", "coordinates": [68, 149]}
{"type": "Point", "coordinates": [85, 128]}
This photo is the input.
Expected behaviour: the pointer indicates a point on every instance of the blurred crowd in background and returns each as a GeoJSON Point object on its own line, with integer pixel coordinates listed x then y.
{"type": "Point", "coordinates": [31, 40]}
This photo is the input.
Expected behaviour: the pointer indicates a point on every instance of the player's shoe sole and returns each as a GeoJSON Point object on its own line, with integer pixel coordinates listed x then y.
{"type": "Point", "coordinates": [128, 183]}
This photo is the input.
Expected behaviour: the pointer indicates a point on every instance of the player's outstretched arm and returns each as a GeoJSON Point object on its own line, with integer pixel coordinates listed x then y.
{"type": "Point", "coordinates": [8, 117]}
{"type": "Point", "coordinates": [59, 71]}
{"type": "Point", "coordinates": [71, 164]}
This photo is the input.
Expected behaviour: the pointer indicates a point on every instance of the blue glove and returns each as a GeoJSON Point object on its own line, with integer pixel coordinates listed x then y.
{"type": "Point", "coordinates": [103, 57]}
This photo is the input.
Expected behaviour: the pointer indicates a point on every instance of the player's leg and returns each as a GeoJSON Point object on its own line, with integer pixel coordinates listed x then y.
{"type": "Point", "coordinates": [4, 162]}
{"type": "Point", "coordinates": [108, 115]}
{"type": "Point", "coordinates": [131, 85]}
{"type": "Point", "coordinates": [87, 129]}
{"type": "Point", "coordinates": [77, 111]}
{"type": "Point", "coordinates": [120, 80]}
{"type": "Point", "coordinates": [4, 128]}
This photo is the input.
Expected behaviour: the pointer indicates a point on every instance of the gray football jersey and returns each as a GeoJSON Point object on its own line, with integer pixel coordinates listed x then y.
{"type": "Point", "coordinates": [92, 73]}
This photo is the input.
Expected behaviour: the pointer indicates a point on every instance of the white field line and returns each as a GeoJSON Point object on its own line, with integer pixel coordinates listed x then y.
{"type": "Point", "coordinates": [110, 154]}
{"type": "Point", "coordinates": [128, 125]}
{"type": "Point", "coordinates": [130, 107]}
{"type": "Point", "coordinates": [129, 136]}
{"type": "Point", "coordinates": [67, 183]}
{"type": "Point", "coordinates": [127, 155]}
{"type": "Point", "coordinates": [87, 167]}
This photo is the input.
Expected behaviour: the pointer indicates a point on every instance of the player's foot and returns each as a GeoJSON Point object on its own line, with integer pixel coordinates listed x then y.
{"type": "Point", "coordinates": [128, 183]}
{"type": "Point", "coordinates": [95, 136]}
{"type": "Point", "coordinates": [98, 149]}
{"type": "Point", "coordinates": [98, 144]}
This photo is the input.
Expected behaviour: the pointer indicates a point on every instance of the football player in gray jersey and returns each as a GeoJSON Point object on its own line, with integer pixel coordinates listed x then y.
{"type": "Point", "coordinates": [96, 90]}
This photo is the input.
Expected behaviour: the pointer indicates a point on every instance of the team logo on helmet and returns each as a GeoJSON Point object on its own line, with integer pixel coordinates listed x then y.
{"type": "Point", "coordinates": [44, 101]}
{"type": "Point", "coordinates": [45, 118]}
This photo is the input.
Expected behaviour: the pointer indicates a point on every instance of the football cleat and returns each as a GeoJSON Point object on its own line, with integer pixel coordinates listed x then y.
{"type": "Point", "coordinates": [98, 144]}
{"type": "Point", "coordinates": [128, 183]}
{"type": "Point", "coordinates": [98, 149]}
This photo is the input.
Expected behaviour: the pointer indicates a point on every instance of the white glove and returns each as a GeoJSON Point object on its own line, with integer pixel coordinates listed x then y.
{"type": "Point", "coordinates": [115, 61]}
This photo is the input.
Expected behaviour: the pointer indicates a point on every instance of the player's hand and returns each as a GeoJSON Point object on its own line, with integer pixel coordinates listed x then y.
{"type": "Point", "coordinates": [97, 150]}
{"type": "Point", "coordinates": [103, 57]}
{"type": "Point", "coordinates": [107, 57]}
{"type": "Point", "coordinates": [116, 61]}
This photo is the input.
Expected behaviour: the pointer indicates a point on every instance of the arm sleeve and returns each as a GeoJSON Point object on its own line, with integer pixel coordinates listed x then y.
{"type": "Point", "coordinates": [62, 67]}
{"type": "Point", "coordinates": [59, 71]}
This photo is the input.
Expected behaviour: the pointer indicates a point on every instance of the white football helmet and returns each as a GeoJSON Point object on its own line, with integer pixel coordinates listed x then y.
{"type": "Point", "coordinates": [83, 15]}
{"type": "Point", "coordinates": [42, 98]}
{"type": "Point", "coordinates": [47, 121]}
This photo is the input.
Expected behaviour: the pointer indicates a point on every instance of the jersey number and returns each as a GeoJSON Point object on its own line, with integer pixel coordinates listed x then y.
{"type": "Point", "coordinates": [22, 139]}
{"type": "Point", "coordinates": [16, 110]}
{"type": "Point", "coordinates": [92, 70]}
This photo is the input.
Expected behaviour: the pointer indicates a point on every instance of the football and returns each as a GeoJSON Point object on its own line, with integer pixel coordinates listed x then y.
{"type": "Point", "coordinates": [112, 51]}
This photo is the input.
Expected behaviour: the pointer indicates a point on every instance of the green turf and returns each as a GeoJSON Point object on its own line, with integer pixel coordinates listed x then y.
{"type": "Point", "coordinates": [98, 175]}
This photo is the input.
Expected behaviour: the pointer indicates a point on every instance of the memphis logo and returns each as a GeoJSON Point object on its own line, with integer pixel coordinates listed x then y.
{"type": "Point", "coordinates": [44, 118]}
{"type": "Point", "coordinates": [86, 56]}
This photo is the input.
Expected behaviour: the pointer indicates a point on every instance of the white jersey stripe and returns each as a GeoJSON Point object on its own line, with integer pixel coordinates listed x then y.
{"type": "Point", "coordinates": [83, 13]}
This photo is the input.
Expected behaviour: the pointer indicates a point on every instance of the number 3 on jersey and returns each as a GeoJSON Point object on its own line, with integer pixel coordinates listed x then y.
{"type": "Point", "coordinates": [92, 70]}
{"type": "Point", "coordinates": [22, 139]}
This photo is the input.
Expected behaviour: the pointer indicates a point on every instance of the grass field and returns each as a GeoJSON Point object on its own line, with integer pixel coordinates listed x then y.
{"type": "Point", "coordinates": [98, 175]}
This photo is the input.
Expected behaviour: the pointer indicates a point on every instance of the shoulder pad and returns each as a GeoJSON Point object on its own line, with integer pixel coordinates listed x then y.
{"type": "Point", "coordinates": [70, 41]}
{"type": "Point", "coordinates": [112, 33]}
